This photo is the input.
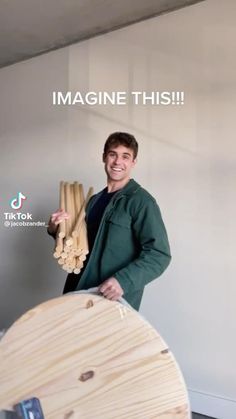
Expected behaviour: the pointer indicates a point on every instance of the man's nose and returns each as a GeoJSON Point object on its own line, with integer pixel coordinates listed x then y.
{"type": "Point", "coordinates": [118, 159]}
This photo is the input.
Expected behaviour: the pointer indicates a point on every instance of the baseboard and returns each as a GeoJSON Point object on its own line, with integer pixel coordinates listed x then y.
{"type": "Point", "coordinates": [210, 405]}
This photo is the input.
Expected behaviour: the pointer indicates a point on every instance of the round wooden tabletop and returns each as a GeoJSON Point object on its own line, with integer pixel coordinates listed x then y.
{"type": "Point", "coordinates": [86, 357]}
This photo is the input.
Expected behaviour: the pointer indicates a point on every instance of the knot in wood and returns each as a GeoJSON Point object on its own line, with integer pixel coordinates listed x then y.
{"type": "Point", "coordinates": [86, 376]}
{"type": "Point", "coordinates": [89, 304]}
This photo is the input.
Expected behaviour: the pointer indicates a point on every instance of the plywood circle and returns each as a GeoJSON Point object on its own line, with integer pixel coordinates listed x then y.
{"type": "Point", "coordinates": [86, 357]}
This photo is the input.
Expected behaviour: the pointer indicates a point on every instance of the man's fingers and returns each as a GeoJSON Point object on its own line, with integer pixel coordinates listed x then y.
{"type": "Point", "coordinates": [111, 289]}
{"type": "Point", "coordinates": [111, 293]}
{"type": "Point", "coordinates": [58, 217]}
{"type": "Point", "coordinates": [58, 221]}
{"type": "Point", "coordinates": [106, 287]}
{"type": "Point", "coordinates": [105, 291]}
{"type": "Point", "coordinates": [111, 296]}
{"type": "Point", "coordinates": [103, 288]}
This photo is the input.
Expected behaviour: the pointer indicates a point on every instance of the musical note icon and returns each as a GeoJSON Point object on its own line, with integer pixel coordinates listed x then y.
{"type": "Point", "coordinates": [17, 202]}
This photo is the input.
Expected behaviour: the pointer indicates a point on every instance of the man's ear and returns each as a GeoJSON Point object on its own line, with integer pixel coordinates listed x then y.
{"type": "Point", "coordinates": [134, 161]}
{"type": "Point", "coordinates": [103, 157]}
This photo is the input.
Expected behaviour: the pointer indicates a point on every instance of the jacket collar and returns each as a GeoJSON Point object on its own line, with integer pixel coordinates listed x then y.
{"type": "Point", "coordinates": [130, 188]}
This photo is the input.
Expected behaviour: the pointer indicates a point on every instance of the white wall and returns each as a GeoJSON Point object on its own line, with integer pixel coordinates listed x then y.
{"type": "Point", "coordinates": [187, 160]}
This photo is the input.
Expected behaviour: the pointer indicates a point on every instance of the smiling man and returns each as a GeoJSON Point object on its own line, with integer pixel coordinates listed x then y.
{"type": "Point", "coordinates": [127, 238]}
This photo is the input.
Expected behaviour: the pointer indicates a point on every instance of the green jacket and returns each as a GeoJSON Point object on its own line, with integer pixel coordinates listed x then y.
{"type": "Point", "coordinates": [131, 243]}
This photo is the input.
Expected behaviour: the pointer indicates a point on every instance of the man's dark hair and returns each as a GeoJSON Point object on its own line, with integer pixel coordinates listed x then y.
{"type": "Point", "coordinates": [121, 138]}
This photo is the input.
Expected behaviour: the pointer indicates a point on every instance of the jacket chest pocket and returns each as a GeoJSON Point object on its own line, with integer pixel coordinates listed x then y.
{"type": "Point", "coordinates": [119, 234]}
{"type": "Point", "coordinates": [119, 221]}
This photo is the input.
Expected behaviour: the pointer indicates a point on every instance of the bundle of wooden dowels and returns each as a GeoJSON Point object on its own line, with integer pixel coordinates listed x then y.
{"type": "Point", "coordinates": [71, 245]}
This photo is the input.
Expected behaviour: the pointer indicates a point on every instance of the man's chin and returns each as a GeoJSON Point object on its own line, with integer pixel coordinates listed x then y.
{"type": "Point", "coordinates": [116, 176]}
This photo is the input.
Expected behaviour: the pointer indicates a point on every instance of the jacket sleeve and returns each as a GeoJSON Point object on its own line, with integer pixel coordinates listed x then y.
{"type": "Point", "coordinates": [154, 257]}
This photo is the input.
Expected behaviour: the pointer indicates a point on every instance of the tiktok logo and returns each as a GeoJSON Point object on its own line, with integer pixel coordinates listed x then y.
{"type": "Point", "coordinates": [17, 202]}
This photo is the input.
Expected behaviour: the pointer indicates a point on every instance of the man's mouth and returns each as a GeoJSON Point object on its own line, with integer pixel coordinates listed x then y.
{"type": "Point", "coordinates": [116, 169]}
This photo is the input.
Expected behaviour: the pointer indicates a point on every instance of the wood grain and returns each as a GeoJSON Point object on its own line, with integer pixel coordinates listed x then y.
{"type": "Point", "coordinates": [89, 358]}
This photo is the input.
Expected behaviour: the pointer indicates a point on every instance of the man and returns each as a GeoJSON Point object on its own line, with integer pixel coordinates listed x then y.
{"type": "Point", "coordinates": [127, 238]}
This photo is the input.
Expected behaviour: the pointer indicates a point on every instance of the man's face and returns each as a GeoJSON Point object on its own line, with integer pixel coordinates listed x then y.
{"type": "Point", "coordinates": [119, 162]}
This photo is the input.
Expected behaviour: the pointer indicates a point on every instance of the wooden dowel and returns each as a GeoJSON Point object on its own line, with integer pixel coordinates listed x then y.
{"type": "Point", "coordinates": [62, 225]}
{"type": "Point", "coordinates": [69, 241]}
{"type": "Point", "coordinates": [56, 255]}
{"type": "Point", "coordinates": [77, 198]}
{"type": "Point", "coordinates": [73, 213]}
{"type": "Point", "coordinates": [81, 216]}
{"type": "Point", "coordinates": [73, 263]}
{"type": "Point", "coordinates": [67, 248]}
{"type": "Point", "coordinates": [59, 244]}
{"type": "Point", "coordinates": [76, 231]}
{"type": "Point", "coordinates": [65, 268]}
{"type": "Point", "coordinates": [81, 191]}
{"type": "Point", "coordinates": [77, 246]}
{"type": "Point", "coordinates": [78, 252]}
{"type": "Point", "coordinates": [68, 208]}
{"type": "Point", "coordinates": [64, 255]}
{"type": "Point", "coordinates": [79, 264]}
{"type": "Point", "coordinates": [79, 205]}
{"type": "Point", "coordinates": [82, 239]}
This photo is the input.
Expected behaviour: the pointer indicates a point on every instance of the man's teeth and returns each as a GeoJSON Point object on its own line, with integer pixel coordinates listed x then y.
{"type": "Point", "coordinates": [116, 169]}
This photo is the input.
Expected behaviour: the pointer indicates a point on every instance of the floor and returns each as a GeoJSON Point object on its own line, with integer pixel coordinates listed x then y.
{"type": "Point", "coordinates": [194, 416]}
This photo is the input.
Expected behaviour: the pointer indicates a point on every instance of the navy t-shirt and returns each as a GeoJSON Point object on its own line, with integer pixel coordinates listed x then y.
{"type": "Point", "coordinates": [95, 216]}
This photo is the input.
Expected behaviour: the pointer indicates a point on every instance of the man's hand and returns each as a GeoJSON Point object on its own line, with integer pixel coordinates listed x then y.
{"type": "Point", "coordinates": [55, 219]}
{"type": "Point", "coordinates": [111, 289]}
